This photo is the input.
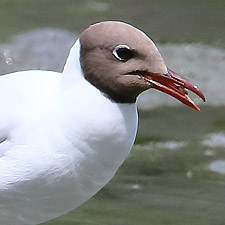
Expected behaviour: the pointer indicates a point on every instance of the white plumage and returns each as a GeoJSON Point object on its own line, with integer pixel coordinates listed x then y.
{"type": "Point", "coordinates": [61, 140]}
{"type": "Point", "coordinates": [63, 136]}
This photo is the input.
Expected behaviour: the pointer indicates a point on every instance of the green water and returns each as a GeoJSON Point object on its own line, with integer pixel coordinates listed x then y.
{"type": "Point", "coordinates": [166, 21]}
{"type": "Point", "coordinates": [158, 184]}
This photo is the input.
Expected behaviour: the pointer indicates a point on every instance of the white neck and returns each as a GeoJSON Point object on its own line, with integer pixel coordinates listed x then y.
{"type": "Point", "coordinates": [72, 69]}
{"type": "Point", "coordinates": [101, 133]}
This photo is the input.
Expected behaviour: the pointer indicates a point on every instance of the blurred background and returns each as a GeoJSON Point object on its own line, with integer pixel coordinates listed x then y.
{"type": "Point", "coordinates": [175, 174]}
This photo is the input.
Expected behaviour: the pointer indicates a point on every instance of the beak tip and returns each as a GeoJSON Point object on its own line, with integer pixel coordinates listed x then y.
{"type": "Point", "coordinates": [202, 96]}
{"type": "Point", "coordinates": [204, 99]}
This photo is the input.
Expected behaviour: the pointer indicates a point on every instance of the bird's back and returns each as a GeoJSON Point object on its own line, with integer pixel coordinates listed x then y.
{"type": "Point", "coordinates": [23, 95]}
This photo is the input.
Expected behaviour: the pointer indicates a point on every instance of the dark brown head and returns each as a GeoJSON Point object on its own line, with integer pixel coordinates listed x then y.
{"type": "Point", "coordinates": [121, 61]}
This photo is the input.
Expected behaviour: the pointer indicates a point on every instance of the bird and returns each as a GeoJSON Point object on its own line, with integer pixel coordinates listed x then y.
{"type": "Point", "coordinates": [64, 135]}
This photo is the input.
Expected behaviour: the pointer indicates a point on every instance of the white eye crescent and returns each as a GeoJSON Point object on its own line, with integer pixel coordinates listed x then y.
{"type": "Point", "coordinates": [123, 52]}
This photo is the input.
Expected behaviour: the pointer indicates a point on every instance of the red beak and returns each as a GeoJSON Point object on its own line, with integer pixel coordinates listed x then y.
{"type": "Point", "coordinates": [174, 85]}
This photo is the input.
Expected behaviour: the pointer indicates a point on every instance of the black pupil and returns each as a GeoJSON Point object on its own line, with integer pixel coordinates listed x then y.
{"type": "Point", "coordinates": [124, 53]}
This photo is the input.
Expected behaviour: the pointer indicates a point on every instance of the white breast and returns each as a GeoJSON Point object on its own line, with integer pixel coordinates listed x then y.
{"type": "Point", "coordinates": [64, 142]}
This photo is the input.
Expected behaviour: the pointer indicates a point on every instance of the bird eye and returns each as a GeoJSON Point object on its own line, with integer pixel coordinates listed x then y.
{"type": "Point", "coordinates": [123, 52]}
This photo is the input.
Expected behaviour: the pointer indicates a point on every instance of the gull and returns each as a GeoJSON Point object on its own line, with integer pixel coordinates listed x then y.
{"type": "Point", "coordinates": [64, 135]}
